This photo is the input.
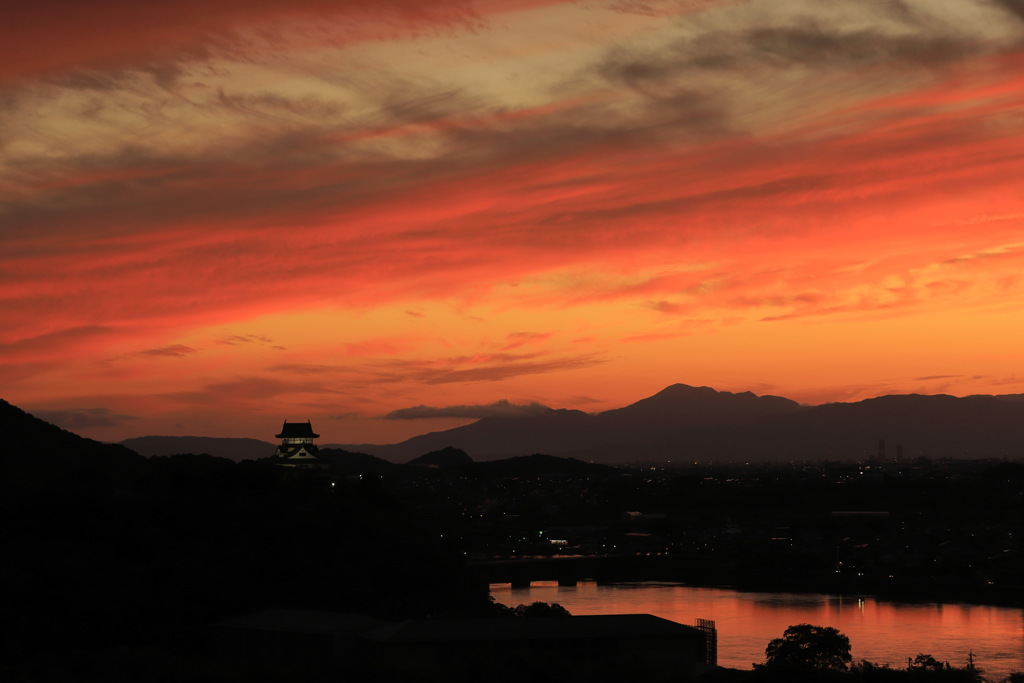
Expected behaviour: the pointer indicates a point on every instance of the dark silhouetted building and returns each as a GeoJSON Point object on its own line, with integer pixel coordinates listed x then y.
{"type": "Point", "coordinates": [297, 448]}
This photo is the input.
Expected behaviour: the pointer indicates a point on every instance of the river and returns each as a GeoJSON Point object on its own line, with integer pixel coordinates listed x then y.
{"type": "Point", "coordinates": [880, 631]}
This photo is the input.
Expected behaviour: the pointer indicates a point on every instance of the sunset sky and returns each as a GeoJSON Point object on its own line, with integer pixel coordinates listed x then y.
{"type": "Point", "coordinates": [219, 214]}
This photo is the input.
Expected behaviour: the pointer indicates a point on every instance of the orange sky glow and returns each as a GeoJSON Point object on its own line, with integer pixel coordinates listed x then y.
{"type": "Point", "coordinates": [216, 216]}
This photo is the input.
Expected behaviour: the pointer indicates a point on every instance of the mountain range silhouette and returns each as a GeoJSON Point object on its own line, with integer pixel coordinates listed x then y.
{"type": "Point", "coordinates": [683, 423]}
{"type": "Point", "coordinates": [679, 424]}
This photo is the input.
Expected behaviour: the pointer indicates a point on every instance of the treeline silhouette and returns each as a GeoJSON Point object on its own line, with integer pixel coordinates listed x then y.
{"type": "Point", "coordinates": [821, 654]}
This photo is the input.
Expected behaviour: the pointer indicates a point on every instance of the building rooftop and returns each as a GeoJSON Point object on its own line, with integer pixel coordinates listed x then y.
{"type": "Point", "coordinates": [297, 430]}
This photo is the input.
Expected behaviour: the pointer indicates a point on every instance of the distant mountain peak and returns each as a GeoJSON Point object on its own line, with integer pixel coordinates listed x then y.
{"type": "Point", "coordinates": [683, 422]}
{"type": "Point", "coordinates": [445, 457]}
{"type": "Point", "coordinates": [683, 399]}
{"type": "Point", "coordinates": [680, 389]}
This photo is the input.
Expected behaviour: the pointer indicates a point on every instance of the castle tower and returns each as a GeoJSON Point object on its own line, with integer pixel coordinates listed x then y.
{"type": "Point", "coordinates": [297, 448]}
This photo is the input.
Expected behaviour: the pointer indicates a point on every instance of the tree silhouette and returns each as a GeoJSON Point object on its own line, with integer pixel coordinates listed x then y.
{"type": "Point", "coordinates": [805, 646]}
{"type": "Point", "coordinates": [541, 609]}
{"type": "Point", "coordinates": [927, 662]}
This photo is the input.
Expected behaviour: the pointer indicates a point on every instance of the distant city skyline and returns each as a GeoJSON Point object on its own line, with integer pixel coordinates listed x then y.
{"type": "Point", "coordinates": [393, 218]}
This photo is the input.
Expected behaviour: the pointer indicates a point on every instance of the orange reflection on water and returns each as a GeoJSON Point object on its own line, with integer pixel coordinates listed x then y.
{"type": "Point", "coordinates": [880, 631]}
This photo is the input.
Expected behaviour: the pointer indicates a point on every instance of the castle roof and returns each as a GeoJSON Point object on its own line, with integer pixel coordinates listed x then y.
{"type": "Point", "coordinates": [297, 430]}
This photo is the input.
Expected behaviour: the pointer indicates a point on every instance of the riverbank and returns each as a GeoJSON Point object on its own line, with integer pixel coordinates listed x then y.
{"type": "Point", "coordinates": [733, 573]}
{"type": "Point", "coordinates": [894, 590]}
{"type": "Point", "coordinates": [882, 631]}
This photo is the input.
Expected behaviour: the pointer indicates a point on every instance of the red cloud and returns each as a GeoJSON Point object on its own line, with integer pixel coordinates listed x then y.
{"type": "Point", "coordinates": [689, 178]}
{"type": "Point", "coordinates": [173, 350]}
{"type": "Point", "coordinates": [55, 35]}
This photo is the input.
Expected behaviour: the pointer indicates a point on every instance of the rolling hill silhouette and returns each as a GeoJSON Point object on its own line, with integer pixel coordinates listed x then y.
{"type": "Point", "coordinates": [56, 453]}
{"type": "Point", "coordinates": [230, 448]}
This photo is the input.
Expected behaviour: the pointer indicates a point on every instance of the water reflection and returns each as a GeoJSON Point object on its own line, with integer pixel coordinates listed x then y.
{"type": "Point", "coordinates": [880, 631]}
{"type": "Point", "coordinates": [794, 600]}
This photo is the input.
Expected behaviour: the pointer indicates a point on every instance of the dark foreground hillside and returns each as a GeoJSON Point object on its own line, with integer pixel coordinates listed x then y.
{"type": "Point", "coordinates": [108, 551]}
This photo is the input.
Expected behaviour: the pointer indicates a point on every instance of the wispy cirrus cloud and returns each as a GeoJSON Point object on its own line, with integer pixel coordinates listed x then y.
{"type": "Point", "coordinates": [351, 415]}
{"type": "Point", "coordinates": [683, 328]}
{"type": "Point", "coordinates": [498, 191]}
{"type": "Point", "coordinates": [236, 339]}
{"type": "Point", "coordinates": [516, 340]}
{"type": "Point", "coordinates": [54, 340]}
{"type": "Point", "coordinates": [249, 390]}
{"type": "Point", "coordinates": [172, 351]}
{"type": "Point", "coordinates": [487, 367]}
{"type": "Point", "coordinates": [48, 37]}
{"type": "Point", "coordinates": [353, 185]}
{"type": "Point", "coordinates": [84, 418]}
{"type": "Point", "coordinates": [500, 408]}
{"type": "Point", "coordinates": [379, 347]}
